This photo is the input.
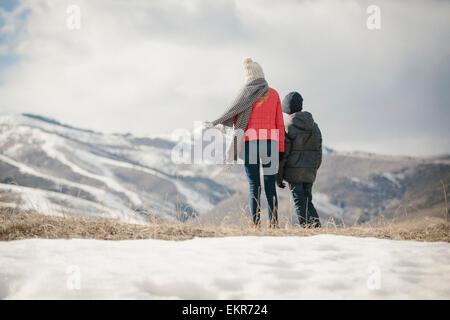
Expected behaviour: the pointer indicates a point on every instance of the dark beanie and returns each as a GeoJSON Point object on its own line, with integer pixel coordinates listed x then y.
{"type": "Point", "coordinates": [293, 102]}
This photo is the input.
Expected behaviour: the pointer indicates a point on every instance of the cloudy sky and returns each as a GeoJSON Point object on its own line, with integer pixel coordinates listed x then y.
{"type": "Point", "coordinates": [149, 67]}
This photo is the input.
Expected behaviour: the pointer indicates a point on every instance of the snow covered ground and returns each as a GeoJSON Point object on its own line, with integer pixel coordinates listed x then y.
{"type": "Point", "coordinates": [323, 266]}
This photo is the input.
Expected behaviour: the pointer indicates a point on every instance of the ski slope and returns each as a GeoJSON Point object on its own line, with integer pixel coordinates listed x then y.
{"type": "Point", "coordinates": [324, 266]}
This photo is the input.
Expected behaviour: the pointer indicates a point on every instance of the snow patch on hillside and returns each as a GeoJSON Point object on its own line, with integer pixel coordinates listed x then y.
{"type": "Point", "coordinates": [322, 203]}
{"type": "Point", "coordinates": [391, 178]}
{"type": "Point", "coordinates": [59, 204]}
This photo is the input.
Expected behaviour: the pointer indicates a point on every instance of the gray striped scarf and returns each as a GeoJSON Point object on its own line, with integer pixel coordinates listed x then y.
{"type": "Point", "coordinates": [242, 108]}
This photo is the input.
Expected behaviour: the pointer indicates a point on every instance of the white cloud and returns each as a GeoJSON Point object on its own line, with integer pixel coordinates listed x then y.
{"type": "Point", "coordinates": [152, 66]}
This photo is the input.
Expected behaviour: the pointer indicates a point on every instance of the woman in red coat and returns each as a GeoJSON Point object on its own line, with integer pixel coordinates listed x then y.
{"type": "Point", "coordinates": [256, 112]}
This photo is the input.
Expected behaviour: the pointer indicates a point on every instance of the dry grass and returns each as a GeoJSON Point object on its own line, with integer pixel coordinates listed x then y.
{"type": "Point", "coordinates": [25, 226]}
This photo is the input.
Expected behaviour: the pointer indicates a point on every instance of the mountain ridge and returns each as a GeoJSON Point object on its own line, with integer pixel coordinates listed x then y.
{"type": "Point", "coordinates": [134, 176]}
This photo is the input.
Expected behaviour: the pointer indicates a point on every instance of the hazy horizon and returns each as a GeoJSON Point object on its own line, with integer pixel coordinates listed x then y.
{"type": "Point", "coordinates": [148, 68]}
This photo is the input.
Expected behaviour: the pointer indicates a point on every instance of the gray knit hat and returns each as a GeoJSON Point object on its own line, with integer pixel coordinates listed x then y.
{"type": "Point", "coordinates": [252, 70]}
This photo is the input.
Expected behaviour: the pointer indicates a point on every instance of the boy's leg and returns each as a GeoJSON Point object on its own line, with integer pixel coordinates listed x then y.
{"type": "Point", "coordinates": [313, 217]}
{"type": "Point", "coordinates": [299, 197]}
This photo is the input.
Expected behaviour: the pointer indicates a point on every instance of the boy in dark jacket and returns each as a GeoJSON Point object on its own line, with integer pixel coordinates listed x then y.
{"type": "Point", "coordinates": [301, 158]}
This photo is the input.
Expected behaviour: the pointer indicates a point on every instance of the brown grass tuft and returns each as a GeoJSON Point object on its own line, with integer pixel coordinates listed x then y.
{"type": "Point", "coordinates": [25, 226]}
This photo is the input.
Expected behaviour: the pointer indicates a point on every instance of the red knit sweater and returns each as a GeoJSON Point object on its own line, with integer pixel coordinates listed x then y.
{"type": "Point", "coordinates": [265, 119]}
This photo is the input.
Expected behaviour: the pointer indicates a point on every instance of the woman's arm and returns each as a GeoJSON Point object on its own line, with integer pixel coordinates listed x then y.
{"type": "Point", "coordinates": [279, 123]}
{"type": "Point", "coordinates": [284, 143]}
{"type": "Point", "coordinates": [283, 159]}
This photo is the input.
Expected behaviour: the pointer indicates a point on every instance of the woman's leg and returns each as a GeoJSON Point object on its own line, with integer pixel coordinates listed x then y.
{"type": "Point", "coordinates": [269, 148]}
{"type": "Point", "coordinates": [254, 180]}
{"type": "Point", "coordinates": [271, 195]}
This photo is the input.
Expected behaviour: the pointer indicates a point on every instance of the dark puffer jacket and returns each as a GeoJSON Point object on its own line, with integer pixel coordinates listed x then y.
{"type": "Point", "coordinates": [303, 149]}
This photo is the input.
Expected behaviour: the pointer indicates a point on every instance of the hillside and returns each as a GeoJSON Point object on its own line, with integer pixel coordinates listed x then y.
{"type": "Point", "coordinates": [355, 188]}
{"type": "Point", "coordinates": [114, 175]}
{"type": "Point", "coordinates": [57, 169]}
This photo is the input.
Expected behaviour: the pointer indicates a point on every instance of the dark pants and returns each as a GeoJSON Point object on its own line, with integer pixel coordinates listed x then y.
{"type": "Point", "coordinates": [302, 196]}
{"type": "Point", "coordinates": [264, 150]}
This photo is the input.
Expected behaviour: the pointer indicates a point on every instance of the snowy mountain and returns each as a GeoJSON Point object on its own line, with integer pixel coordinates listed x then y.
{"type": "Point", "coordinates": [354, 187]}
{"type": "Point", "coordinates": [98, 174]}
{"type": "Point", "coordinates": [54, 168]}
{"type": "Point", "coordinates": [367, 186]}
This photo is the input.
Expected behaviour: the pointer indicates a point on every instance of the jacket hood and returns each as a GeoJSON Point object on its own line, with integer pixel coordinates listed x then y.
{"type": "Point", "coordinates": [302, 120]}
